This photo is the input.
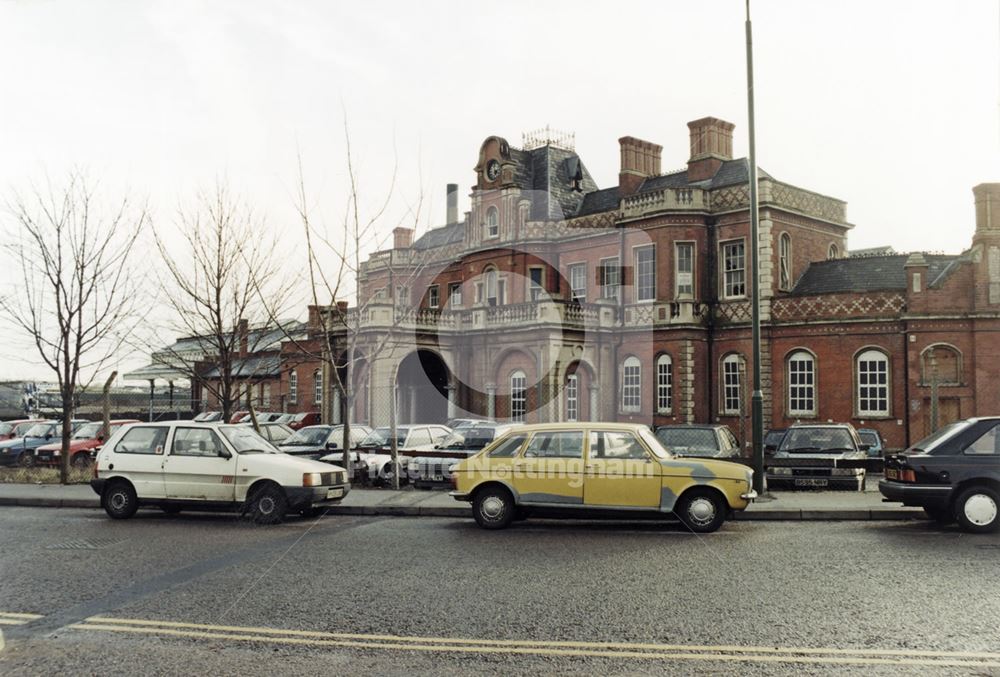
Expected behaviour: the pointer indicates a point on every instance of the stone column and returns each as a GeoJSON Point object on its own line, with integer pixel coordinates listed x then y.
{"type": "Point", "coordinates": [491, 401]}
{"type": "Point", "coordinates": [451, 401]}
{"type": "Point", "coordinates": [595, 402]}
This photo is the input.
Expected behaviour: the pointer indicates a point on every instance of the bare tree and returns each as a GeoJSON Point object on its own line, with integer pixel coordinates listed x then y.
{"type": "Point", "coordinates": [214, 281]}
{"type": "Point", "coordinates": [334, 258]}
{"type": "Point", "coordinates": [80, 282]}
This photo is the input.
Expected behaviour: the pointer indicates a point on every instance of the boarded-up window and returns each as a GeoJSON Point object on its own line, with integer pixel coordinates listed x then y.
{"type": "Point", "coordinates": [942, 364]}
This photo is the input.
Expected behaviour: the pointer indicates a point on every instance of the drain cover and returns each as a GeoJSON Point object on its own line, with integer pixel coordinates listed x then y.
{"type": "Point", "coordinates": [85, 544]}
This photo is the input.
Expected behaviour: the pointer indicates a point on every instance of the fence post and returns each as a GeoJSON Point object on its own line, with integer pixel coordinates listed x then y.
{"type": "Point", "coordinates": [106, 405]}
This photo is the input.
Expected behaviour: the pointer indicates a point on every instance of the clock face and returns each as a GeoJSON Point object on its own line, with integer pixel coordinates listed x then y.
{"type": "Point", "coordinates": [492, 170]}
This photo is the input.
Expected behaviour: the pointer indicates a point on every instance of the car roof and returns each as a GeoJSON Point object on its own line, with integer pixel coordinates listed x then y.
{"type": "Point", "coordinates": [535, 427]}
{"type": "Point", "coordinates": [185, 423]}
{"type": "Point", "coordinates": [706, 426]}
{"type": "Point", "coordinates": [820, 425]}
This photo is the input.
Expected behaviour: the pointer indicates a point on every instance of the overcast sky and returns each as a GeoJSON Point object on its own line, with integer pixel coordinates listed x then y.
{"type": "Point", "coordinates": [891, 106]}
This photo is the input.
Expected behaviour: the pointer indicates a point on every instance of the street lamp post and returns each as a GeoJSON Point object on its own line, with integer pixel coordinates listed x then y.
{"type": "Point", "coordinates": [757, 398]}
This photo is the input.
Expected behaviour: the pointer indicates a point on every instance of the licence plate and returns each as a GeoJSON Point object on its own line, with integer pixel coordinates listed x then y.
{"type": "Point", "coordinates": [891, 474]}
{"type": "Point", "coordinates": [809, 482]}
{"type": "Point", "coordinates": [334, 493]}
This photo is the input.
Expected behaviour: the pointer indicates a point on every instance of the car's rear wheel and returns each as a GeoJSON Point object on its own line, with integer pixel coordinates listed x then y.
{"type": "Point", "coordinates": [493, 507]}
{"type": "Point", "coordinates": [81, 461]}
{"type": "Point", "coordinates": [119, 500]}
{"type": "Point", "coordinates": [268, 505]}
{"type": "Point", "coordinates": [701, 510]}
{"type": "Point", "coordinates": [940, 515]}
{"type": "Point", "coordinates": [977, 510]}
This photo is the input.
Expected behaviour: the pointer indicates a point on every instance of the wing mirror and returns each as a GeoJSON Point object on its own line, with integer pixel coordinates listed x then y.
{"type": "Point", "coordinates": [332, 446]}
{"type": "Point", "coordinates": [224, 453]}
{"type": "Point", "coordinates": [864, 447]}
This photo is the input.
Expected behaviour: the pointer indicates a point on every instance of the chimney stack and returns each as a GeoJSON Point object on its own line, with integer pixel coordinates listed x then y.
{"type": "Point", "coordinates": [452, 203]}
{"type": "Point", "coordinates": [711, 145]}
{"type": "Point", "coordinates": [987, 208]}
{"type": "Point", "coordinates": [402, 238]}
{"type": "Point", "coordinates": [243, 332]}
{"type": "Point", "coordinates": [639, 160]}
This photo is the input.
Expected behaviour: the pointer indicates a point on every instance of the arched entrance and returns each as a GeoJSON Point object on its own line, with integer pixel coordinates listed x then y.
{"type": "Point", "coordinates": [421, 388]}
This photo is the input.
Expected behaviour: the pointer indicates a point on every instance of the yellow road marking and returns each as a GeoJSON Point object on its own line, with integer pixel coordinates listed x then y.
{"type": "Point", "coordinates": [10, 621]}
{"type": "Point", "coordinates": [607, 650]}
{"type": "Point", "coordinates": [11, 614]}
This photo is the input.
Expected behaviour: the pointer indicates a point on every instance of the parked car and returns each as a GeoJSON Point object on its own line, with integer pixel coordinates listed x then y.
{"type": "Point", "coordinates": [374, 452]}
{"type": "Point", "coordinates": [179, 465]}
{"type": "Point", "coordinates": [953, 474]}
{"type": "Point", "coordinates": [262, 417]}
{"type": "Point", "coordinates": [872, 438]}
{"type": "Point", "coordinates": [435, 470]}
{"type": "Point", "coordinates": [21, 450]}
{"type": "Point", "coordinates": [821, 446]}
{"type": "Point", "coordinates": [87, 437]}
{"type": "Point", "coordinates": [705, 441]}
{"type": "Point", "coordinates": [275, 433]}
{"type": "Point", "coordinates": [458, 423]}
{"type": "Point", "coordinates": [604, 469]}
{"type": "Point", "coordinates": [237, 416]}
{"type": "Point", "coordinates": [303, 419]}
{"type": "Point", "coordinates": [772, 440]}
{"type": "Point", "coordinates": [208, 417]}
{"type": "Point", "coordinates": [319, 440]}
{"type": "Point", "coordinates": [11, 429]}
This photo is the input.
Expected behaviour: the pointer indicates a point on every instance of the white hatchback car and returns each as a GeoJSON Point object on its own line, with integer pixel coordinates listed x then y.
{"type": "Point", "coordinates": [208, 466]}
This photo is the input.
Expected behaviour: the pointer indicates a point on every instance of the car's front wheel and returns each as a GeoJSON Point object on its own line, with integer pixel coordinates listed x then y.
{"type": "Point", "coordinates": [119, 500]}
{"type": "Point", "coordinates": [701, 510]}
{"type": "Point", "coordinates": [268, 505]}
{"type": "Point", "coordinates": [493, 508]}
{"type": "Point", "coordinates": [977, 510]}
{"type": "Point", "coordinates": [26, 459]}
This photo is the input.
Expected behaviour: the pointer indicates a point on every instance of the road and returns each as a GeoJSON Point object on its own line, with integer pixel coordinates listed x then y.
{"type": "Point", "coordinates": [193, 594]}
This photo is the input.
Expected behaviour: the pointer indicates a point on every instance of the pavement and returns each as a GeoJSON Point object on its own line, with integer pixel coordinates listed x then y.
{"type": "Point", "coordinates": [407, 502]}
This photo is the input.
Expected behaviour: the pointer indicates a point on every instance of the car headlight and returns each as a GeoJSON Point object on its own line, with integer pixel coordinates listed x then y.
{"type": "Point", "coordinates": [780, 471]}
{"type": "Point", "coordinates": [312, 479]}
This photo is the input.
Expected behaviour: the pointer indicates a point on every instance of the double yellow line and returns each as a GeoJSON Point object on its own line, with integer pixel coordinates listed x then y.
{"type": "Point", "coordinates": [614, 650]}
{"type": "Point", "coordinates": [9, 618]}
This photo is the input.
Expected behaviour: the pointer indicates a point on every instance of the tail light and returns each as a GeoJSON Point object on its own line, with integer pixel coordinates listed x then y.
{"type": "Point", "coordinates": [907, 476]}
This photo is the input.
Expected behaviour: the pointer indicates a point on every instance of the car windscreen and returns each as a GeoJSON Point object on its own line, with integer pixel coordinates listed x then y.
{"type": "Point", "coordinates": [869, 438]}
{"type": "Point", "coordinates": [680, 440]}
{"type": "Point", "coordinates": [245, 440]}
{"type": "Point", "coordinates": [818, 440]}
{"type": "Point", "coordinates": [6, 428]}
{"type": "Point", "coordinates": [933, 440]}
{"type": "Point", "coordinates": [308, 437]}
{"type": "Point", "coordinates": [773, 439]}
{"type": "Point", "coordinates": [88, 431]}
{"type": "Point", "coordinates": [380, 437]}
{"type": "Point", "coordinates": [41, 430]}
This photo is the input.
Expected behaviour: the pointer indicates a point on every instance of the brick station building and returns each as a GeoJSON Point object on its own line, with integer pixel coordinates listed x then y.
{"type": "Point", "coordinates": [553, 299]}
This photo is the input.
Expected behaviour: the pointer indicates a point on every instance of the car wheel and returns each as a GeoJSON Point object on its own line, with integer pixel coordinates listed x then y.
{"type": "Point", "coordinates": [976, 510]}
{"type": "Point", "coordinates": [119, 500]}
{"type": "Point", "coordinates": [493, 508]}
{"type": "Point", "coordinates": [26, 459]}
{"type": "Point", "coordinates": [81, 461]}
{"type": "Point", "coordinates": [940, 515]}
{"type": "Point", "coordinates": [701, 510]}
{"type": "Point", "coordinates": [268, 505]}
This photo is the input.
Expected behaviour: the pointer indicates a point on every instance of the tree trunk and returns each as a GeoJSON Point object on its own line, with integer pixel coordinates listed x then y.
{"type": "Point", "coordinates": [67, 417]}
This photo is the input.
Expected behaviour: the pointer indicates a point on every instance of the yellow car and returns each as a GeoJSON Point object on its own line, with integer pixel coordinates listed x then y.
{"type": "Point", "coordinates": [599, 467]}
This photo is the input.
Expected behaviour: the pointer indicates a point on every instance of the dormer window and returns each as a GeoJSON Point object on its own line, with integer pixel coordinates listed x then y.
{"type": "Point", "coordinates": [492, 222]}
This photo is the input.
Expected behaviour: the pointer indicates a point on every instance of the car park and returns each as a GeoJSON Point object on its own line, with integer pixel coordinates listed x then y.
{"type": "Point", "coordinates": [319, 440]}
{"type": "Point", "coordinates": [433, 469]}
{"type": "Point", "coordinates": [16, 428]}
{"type": "Point", "coordinates": [812, 456]}
{"type": "Point", "coordinates": [704, 441]}
{"type": "Point", "coordinates": [874, 441]}
{"type": "Point", "coordinates": [179, 465]}
{"type": "Point", "coordinates": [953, 474]}
{"type": "Point", "coordinates": [20, 451]}
{"type": "Point", "coordinates": [86, 438]}
{"type": "Point", "coordinates": [374, 452]}
{"type": "Point", "coordinates": [601, 469]}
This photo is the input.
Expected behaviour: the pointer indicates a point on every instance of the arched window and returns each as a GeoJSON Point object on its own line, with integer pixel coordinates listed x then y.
{"type": "Point", "coordinates": [872, 377]}
{"type": "Point", "coordinates": [785, 261]}
{"type": "Point", "coordinates": [631, 384]}
{"type": "Point", "coordinates": [732, 385]}
{"type": "Point", "coordinates": [492, 222]}
{"type": "Point", "coordinates": [293, 387]}
{"type": "Point", "coordinates": [801, 380]}
{"type": "Point", "coordinates": [833, 252]}
{"type": "Point", "coordinates": [664, 384]}
{"type": "Point", "coordinates": [518, 396]}
{"type": "Point", "coordinates": [317, 387]}
{"type": "Point", "coordinates": [572, 397]}
{"type": "Point", "coordinates": [941, 364]}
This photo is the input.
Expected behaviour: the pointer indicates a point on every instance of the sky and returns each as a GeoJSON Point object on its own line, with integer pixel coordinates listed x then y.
{"type": "Point", "coordinates": [893, 106]}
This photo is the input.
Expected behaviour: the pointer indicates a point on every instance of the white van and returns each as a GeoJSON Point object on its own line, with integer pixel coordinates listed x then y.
{"type": "Point", "coordinates": [175, 465]}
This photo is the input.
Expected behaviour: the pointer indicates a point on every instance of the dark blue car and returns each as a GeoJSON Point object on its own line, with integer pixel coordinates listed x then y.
{"type": "Point", "coordinates": [20, 450]}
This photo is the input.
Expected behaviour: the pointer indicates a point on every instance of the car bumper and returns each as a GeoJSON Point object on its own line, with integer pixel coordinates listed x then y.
{"type": "Point", "coordinates": [915, 494]}
{"type": "Point", "coordinates": [815, 481]}
{"type": "Point", "coordinates": [460, 496]}
{"type": "Point", "coordinates": [749, 496]}
{"type": "Point", "coordinates": [315, 497]}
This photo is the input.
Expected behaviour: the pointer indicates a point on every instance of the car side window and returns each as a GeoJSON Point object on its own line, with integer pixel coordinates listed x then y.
{"type": "Point", "coordinates": [616, 445]}
{"type": "Point", "coordinates": [142, 440]}
{"type": "Point", "coordinates": [509, 447]}
{"type": "Point", "coordinates": [195, 442]}
{"type": "Point", "coordinates": [564, 444]}
{"type": "Point", "coordinates": [419, 436]}
{"type": "Point", "coordinates": [987, 444]}
{"type": "Point", "coordinates": [438, 434]}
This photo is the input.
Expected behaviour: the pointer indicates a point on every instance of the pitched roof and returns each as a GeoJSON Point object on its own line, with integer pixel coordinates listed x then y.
{"type": "Point", "coordinates": [869, 273]}
{"type": "Point", "coordinates": [730, 173]}
{"type": "Point", "coordinates": [441, 236]}
{"type": "Point", "coordinates": [251, 367]}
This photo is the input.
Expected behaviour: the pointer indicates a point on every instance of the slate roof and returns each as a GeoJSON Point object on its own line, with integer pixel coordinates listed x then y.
{"type": "Point", "coordinates": [550, 171]}
{"type": "Point", "coordinates": [730, 173]}
{"type": "Point", "coordinates": [603, 200]}
{"type": "Point", "coordinates": [251, 367]}
{"type": "Point", "coordinates": [441, 236]}
{"type": "Point", "coordinates": [870, 273]}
